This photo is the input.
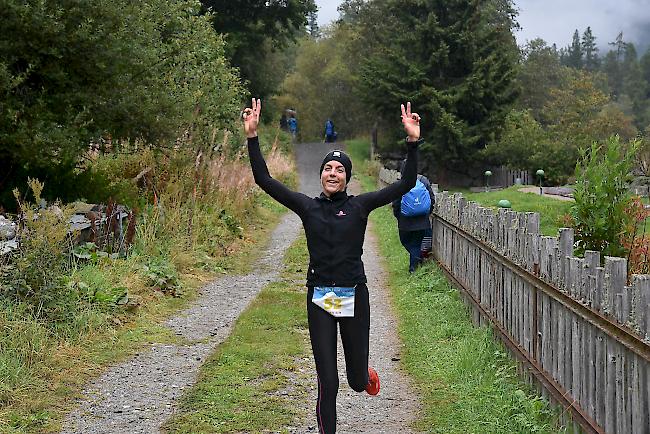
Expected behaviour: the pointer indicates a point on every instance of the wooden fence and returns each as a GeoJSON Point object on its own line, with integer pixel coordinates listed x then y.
{"type": "Point", "coordinates": [579, 330]}
{"type": "Point", "coordinates": [505, 177]}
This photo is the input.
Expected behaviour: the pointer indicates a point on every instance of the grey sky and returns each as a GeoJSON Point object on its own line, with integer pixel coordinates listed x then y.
{"type": "Point", "coordinates": [555, 20]}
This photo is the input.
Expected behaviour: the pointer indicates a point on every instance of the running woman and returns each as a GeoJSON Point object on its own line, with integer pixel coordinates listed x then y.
{"type": "Point", "coordinates": [335, 226]}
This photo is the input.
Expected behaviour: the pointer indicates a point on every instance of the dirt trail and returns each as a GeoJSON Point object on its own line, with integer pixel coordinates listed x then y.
{"type": "Point", "coordinates": [139, 395]}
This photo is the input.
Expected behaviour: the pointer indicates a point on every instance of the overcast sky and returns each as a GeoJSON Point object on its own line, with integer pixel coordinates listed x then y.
{"type": "Point", "coordinates": [556, 20]}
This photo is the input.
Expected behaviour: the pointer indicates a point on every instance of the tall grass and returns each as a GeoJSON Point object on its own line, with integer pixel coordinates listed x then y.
{"type": "Point", "coordinates": [196, 215]}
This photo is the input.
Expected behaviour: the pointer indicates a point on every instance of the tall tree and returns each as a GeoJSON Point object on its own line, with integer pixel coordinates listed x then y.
{"type": "Point", "coordinates": [574, 52]}
{"type": "Point", "coordinates": [312, 24]}
{"type": "Point", "coordinates": [619, 47]}
{"type": "Point", "coordinates": [248, 23]}
{"type": "Point", "coordinates": [539, 72]}
{"type": "Point", "coordinates": [645, 70]}
{"type": "Point", "coordinates": [634, 85]}
{"type": "Point", "coordinates": [590, 51]}
{"type": "Point", "coordinates": [454, 60]}
{"type": "Point", "coordinates": [350, 10]}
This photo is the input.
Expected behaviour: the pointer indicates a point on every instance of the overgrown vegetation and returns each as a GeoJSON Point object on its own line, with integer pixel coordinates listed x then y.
{"type": "Point", "coordinates": [58, 301]}
{"type": "Point", "coordinates": [75, 75]}
{"type": "Point", "coordinates": [602, 198]}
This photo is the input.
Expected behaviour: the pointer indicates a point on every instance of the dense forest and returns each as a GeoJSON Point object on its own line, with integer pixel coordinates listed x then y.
{"type": "Point", "coordinates": [485, 100]}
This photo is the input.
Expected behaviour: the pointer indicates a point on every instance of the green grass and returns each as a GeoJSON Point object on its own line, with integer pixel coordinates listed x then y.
{"type": "Point", "coordinates": [239, 388]}
{"type": "Point", "coordinates": [550, 210]}
{"type": "Point", "coordinates": [466, 380]}
{"type": "Point", "coordinates": [43, 369]}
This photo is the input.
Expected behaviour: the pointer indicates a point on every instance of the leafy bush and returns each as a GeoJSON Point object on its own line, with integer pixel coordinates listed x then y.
{"type": "Point", "coordinates": [75, 73]}
{"type": "Point", "coordinates": [602, 196]}
{"type": "Point", "coordinates": [34, 273]}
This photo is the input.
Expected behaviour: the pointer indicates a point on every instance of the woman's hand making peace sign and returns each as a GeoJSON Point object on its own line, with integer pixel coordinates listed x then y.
{"type": "Point", "coordinates": [411, 123]}
{"type": "Point", "coordinates": [251, 118]}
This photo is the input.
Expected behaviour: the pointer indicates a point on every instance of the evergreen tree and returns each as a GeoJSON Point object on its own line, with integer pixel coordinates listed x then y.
{"type": "Point", "coordinates": [613, 68]}
{"type": "Point", "coordinates": [634, 85]}
{"type": "Point", "coordinates": [619, 47]}
{"type": "Point", "coordinates": [590, 50]}
{"type": "Point", "coordinates": [455, 61]}
{"type": "Point", "coordinates": [574, 52]}
{"type": "Point", "coordinates": [312, 24]}
{"type": "Point", "coordinates": [645, 71]}
{"type": "Point", "coordinates": [540, 71]}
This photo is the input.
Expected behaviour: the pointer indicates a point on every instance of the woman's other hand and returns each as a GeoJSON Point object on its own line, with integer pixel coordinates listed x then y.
{"type": "Point", "coordinates": [411, 123]}
{"type": "Point", "coordinates": [251, 116]}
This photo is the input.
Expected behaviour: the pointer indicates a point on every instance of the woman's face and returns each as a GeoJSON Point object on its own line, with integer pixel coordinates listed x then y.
{"type": "Point", "coordinates": [333, 178]}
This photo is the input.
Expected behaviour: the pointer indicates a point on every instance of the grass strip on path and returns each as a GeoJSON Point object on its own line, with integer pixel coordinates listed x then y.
{"type": "Point", "coordinates": [466, 380]}
{"type": "Point", "coordinates": [245, 385]}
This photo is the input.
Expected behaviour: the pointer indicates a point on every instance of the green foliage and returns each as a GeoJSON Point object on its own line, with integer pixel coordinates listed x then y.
{"type": "Point", "coordinates": [255, 31]}
{"type": "Point", "coordinates": [162, 276]}
{"type": "Point", "coordinates": [455, 61]}
{"type": "Point", "coordinates": [34, 273]}
{"type": "Point", "coordinates": [574, 114]}
{"type": "Point", "coordinates": [601, 196]}
{"type": "Point", "coordinates": [323, 85]}
{"type": "Point", "coordinates": [75, 73]}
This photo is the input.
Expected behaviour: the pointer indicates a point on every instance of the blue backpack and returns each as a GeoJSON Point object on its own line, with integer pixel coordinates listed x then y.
{"type": "Point", "coordinates": [417, 201]}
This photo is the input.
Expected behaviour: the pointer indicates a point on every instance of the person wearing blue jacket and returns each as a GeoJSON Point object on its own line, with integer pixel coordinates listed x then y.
{"type": "Point", "coordinates": [415, 231]}
{"type": "Point", "coordinates": [329, 131]}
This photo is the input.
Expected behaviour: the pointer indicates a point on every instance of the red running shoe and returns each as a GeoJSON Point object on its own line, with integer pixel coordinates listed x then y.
{"type": "Point", "coordinates": [373, 382]}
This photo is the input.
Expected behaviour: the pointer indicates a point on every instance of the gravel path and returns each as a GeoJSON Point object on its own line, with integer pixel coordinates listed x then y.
{"type": "Point", "coordinates": [546, 193]}
{"type": "Point", "coordinates": [139, 395]}
{"type": "Point", "coordinates": [396, 406]}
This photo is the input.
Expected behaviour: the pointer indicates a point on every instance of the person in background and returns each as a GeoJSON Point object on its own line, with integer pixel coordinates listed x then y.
{"type": "Point", "coordinates": [293, 126]}
{"type": "Point", "coordinates": [284, 123]}
{"type": "Point", "coordinates": [413, 213]}
{"type": "Point", "coordinates": [329, 131]}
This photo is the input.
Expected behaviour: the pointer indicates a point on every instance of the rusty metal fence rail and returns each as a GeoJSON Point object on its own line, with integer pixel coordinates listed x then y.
{"type": "Point", "coordinates": [580, 331]}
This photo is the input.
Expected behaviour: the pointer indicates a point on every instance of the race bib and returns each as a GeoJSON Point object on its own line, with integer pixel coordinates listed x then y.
{"type": "Point", "coordinates": [337, 301]}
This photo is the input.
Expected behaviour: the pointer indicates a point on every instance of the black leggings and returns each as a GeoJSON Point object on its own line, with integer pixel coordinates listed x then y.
{"type": "Point", "coordinates": [355, 332]}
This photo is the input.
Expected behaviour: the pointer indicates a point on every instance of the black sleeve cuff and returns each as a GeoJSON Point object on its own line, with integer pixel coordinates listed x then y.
{"type": "Point", "coordinates": [414, 144]}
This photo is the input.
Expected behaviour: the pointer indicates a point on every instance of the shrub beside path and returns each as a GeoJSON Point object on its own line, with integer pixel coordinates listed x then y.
{"type": "Point", "coordinates": [139, 395]}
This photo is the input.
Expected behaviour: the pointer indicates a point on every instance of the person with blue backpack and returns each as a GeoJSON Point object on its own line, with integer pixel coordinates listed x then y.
{"type": "Point", "coordinates": [329, 131]}
{"type": "Point", "coordinates": [413, 211]}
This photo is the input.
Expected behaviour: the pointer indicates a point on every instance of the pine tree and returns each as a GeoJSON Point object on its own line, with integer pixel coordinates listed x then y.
{"type": "Point", "coordinates": [619, 47]}
{"type": "Point", "coordinates": [645, 71]}
{"type": "Point", "coordinates": [574, 52]}
{"type": "Point", "coordinates": [634, 85]}
{"type": "Point", "coordinates": [590, 50]}
{"type": "Point", "coordinates": [457, 69]}
{"type": "Point", "coordinates": [312, 24]}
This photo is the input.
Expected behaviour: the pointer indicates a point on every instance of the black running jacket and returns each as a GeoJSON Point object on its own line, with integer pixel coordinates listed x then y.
{"type": "Point", "coordinates": [335, 227]}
